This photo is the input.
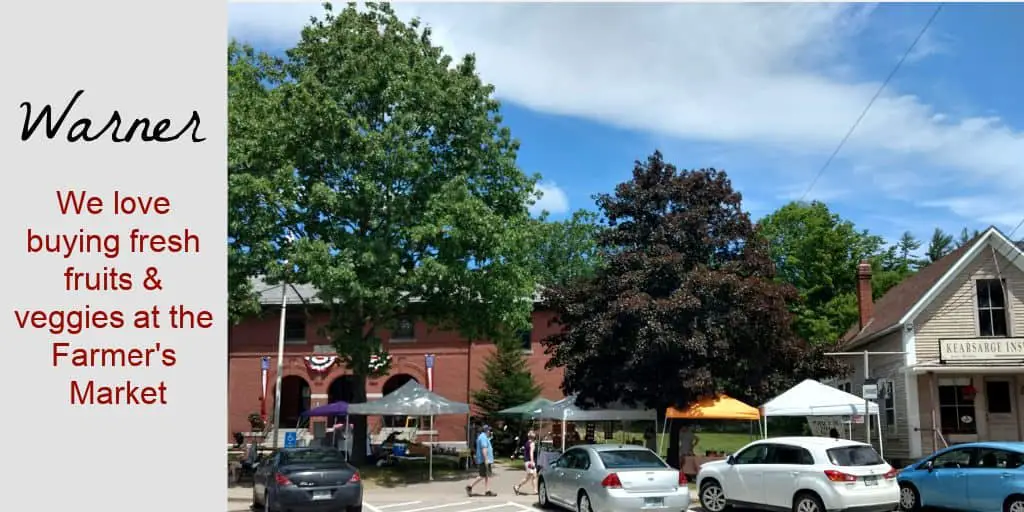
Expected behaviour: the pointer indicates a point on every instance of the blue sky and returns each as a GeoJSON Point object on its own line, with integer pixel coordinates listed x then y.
{"type": "Point", "coordinates": [763, 91]}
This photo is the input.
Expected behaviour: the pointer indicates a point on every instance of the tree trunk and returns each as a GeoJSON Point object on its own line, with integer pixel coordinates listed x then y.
{"type": "Point", "coordinates": [359, 430]}
{"type": "Point", "coordinates": [673, 444]}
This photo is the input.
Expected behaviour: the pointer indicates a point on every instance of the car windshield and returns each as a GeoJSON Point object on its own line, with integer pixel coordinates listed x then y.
{"type": "Point", "coordinates": [330, 457]}
{"type": "Point", "coordinates": [854, 456]}
{"type": "Point", "coordinates": [630, 459]}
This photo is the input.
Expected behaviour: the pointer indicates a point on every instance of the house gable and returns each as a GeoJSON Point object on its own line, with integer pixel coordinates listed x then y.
{"type": "Point", "coordinates": [907, 300]}
{"type": "Point", "coordinates": [953, 312]}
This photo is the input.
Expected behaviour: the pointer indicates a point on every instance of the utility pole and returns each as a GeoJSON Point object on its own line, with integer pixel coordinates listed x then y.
{"type": "Point", "coordinates": [867, 380]}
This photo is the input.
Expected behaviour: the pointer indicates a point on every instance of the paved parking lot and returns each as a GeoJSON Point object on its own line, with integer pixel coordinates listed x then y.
{"type": "Point", "coordinates": [497, 504]}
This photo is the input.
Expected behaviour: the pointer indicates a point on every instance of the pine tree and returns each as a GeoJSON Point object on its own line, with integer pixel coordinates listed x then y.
{"type": "Point", "coordinates": [507, 378]}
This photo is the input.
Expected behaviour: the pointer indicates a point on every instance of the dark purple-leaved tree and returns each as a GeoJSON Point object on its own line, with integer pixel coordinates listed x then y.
{"type": "Point", "coordinates": [685, 305]}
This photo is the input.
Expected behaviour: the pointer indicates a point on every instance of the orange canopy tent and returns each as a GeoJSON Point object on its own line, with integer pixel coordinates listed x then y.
{"type": "Point", "coordinates": [718, 408]}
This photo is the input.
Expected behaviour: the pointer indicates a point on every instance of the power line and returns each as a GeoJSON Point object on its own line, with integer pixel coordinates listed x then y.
{"type": "Point", "coordinates": [878, 93]}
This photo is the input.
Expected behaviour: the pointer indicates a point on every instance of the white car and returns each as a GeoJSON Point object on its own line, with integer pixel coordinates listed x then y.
{"type": "Point", "coordinates": [802, 474]}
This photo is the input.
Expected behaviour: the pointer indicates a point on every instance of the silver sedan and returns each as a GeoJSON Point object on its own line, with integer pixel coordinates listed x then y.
{"type": "Point", "coordinates": [612, 478]}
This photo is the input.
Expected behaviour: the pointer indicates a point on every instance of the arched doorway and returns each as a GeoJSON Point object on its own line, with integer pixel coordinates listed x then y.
{"type": "Point", "coordinates": [295, 399]}
{"type": "Point", "coordinates": [341, 389]}
{"type": "Point", "coordinates": [393, 383]}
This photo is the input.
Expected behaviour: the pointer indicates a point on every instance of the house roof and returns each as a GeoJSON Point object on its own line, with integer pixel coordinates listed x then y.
{"type": "Point", "coordinates": [914, 293]}
{"type": "Point", "coordinates": [270, 294]}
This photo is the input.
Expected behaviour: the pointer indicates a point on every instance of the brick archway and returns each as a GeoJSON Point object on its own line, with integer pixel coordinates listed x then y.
{"type": "Point", "coordinates": [296, 397]}
{"type": "Point", "coordinates": [406, 366]}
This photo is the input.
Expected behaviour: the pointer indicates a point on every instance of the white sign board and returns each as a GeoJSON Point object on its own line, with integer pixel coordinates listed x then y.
{"type": "Point", "coordinates": [869, 392]}
{"type": "Point", "coordinates": [981, 349]}
{"type": "Point", "coordinates": [822, 425]}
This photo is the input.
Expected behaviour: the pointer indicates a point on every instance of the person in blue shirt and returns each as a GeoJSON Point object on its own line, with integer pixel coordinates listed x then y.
{"type": "Point", "coordinates": [484, 461]}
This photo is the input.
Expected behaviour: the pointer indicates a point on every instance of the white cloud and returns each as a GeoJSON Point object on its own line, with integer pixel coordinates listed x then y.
{"type": "Point", "coordinates": [985, 209]}
{"type": "Point", "coordinates": [552, 199]}
{"type": "Point", "coordinates": [763, 74]}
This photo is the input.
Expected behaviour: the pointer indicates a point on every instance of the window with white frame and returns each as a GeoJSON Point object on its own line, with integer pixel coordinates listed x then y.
{"type": "Point", "coordinates": [889, 406]}
{"type": "Point", "coordinates": [956, 406]}
{"type": "Point", "coordinates": [991, 308]}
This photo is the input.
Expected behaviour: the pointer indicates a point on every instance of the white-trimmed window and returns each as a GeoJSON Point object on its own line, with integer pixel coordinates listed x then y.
{"type": "Point", "coordinates": [888, 396]}
{"type": "Point", "coordinates": [991, 308]}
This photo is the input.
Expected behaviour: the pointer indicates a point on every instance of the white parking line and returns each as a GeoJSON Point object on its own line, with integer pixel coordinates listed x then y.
{"type": "Point", "coordinates": [435, 507]}
{"type": "Point", "coordinates": [393, 505]}
{"type": "Point", "coordinates": [371, 508]}
{"type": "Point", "coordinates": [490, 507]}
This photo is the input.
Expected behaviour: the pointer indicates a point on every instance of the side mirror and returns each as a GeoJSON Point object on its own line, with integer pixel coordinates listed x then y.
{"type": "Point", "coordinates": [730, 460]}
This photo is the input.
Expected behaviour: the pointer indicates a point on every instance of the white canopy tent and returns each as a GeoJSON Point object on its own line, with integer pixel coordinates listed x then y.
{"type": "Point", "coordinates": [566, 410]}
{"type": "Point", "coordinates": [812, 398]}
{"type": "Point", "coordinates": [412, 399]}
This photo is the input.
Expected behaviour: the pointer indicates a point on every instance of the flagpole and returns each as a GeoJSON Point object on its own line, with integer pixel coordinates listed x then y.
{"type": "Point", "coordinates": [280, 366]}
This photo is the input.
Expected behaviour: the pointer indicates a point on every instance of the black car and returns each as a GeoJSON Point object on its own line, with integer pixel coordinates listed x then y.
{"type": "Point", "coordinates": [307, 479]}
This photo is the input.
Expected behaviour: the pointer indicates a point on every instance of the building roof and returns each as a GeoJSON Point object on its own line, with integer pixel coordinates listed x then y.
{"type": "Point", "coordinates": [893, 308]}
{"type": "Point", "coordinates": [270, 294]}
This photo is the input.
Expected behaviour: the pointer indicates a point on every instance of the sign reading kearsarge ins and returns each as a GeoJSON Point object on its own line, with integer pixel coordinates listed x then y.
{"type": "Point", "coordinates": [981, 349]}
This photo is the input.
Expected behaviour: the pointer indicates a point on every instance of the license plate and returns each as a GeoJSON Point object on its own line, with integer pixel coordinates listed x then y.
{"type": "Point", "coordinates": [871, 480]}
{"type": "Point", "coordinates": [321, 495]}
{"type": "Point", "coordinates": [654, 502]}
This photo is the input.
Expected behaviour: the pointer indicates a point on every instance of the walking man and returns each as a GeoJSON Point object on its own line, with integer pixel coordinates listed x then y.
{"type": "Point", "coordinates": [484, 461]}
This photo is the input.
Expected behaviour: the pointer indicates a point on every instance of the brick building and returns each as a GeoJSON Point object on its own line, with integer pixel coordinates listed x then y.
{"type": "Point", "coordinates": [457, 363]}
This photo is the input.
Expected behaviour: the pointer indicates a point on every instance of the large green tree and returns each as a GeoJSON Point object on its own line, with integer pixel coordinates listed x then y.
{"type": "Point", "coordinates": [567, 249]}
{"type": "Point", "coordinates": [372, 166]}
{"type": "Point", "coordinates": [817, 252]}
{"type": "Point", "coordinates": [686, 305]}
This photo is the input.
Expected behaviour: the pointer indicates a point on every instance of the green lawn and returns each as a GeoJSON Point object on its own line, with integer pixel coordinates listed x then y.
{"type": "Point", "coordinates": [411, 472]}
{"type": "Point", "coordinates": [714, 441]}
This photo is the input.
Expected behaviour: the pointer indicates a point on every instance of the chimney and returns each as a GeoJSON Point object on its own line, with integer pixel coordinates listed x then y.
{"type": "Point", "coordinates": [865, 304]}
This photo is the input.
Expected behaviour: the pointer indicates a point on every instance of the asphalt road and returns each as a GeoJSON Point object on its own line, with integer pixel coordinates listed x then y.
{"type": "Point", "coordinates": [373, 503]}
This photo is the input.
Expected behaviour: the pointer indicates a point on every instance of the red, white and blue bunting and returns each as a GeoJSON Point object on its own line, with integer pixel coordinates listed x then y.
{"type": "Point", "coordinates": [378, 362]}
{"type": "Point", "coordinates": [320, 364]}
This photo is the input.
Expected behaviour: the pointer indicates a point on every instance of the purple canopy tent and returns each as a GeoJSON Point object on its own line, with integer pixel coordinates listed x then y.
{"type": "Point", "coordinates": [338, 408]}
{"type": "Point", "coordinates": [331, 410]}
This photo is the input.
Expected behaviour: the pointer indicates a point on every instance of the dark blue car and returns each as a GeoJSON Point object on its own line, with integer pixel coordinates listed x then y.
{"type": "Point", "coordinates": [970, 477]}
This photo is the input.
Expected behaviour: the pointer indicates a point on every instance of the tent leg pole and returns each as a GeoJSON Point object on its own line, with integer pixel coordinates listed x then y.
{"type": "Point", "coordinates": [563, 434]}
{"type": "Point", "coordinates": [347, 443]}
{"type": "Point", "coordinates": [881, 449]}
{"type": "Point", "coordinates": [430, 461]}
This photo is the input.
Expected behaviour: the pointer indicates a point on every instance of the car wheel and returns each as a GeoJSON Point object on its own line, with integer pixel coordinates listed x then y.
{"type": "Point", "coordinates": [357, 508]}
{"type": "Point", "coordinates": [910, 500]}
{"type": "Point", "coordinates": [712, 497]}
{"type": "Point", "coordinates": [542, 495]}
{"type": "Point", "coordinates": [1014, 504]}
{"type": "Point", "coordinates": [807, 502]}
{"type": "Point", "coordinates": [583, 503]}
